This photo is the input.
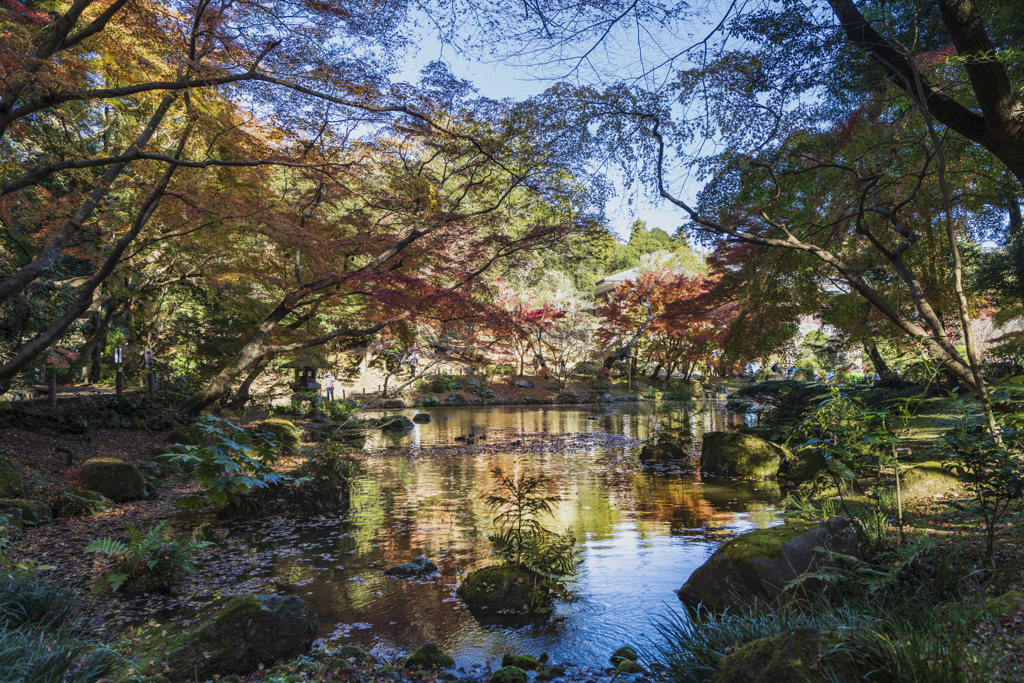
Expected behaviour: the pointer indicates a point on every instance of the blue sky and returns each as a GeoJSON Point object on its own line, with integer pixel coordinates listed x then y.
{"type": "Point", "coordinates": [498, 81]}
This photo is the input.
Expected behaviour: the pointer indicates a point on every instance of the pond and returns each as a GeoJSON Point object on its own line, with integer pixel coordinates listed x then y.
{"type": "Point", "coordinates": [641, 531]}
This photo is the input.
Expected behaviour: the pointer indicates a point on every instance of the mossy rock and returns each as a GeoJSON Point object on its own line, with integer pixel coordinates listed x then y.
{"type": "Point", "coordinates": [282, 432]}
{"type": "Point", "coordinates": [10, 479]}
{"type": "Point", "coordinates": [188, 435]}
{"type": "Point", "coordinates": [662, 451]}
{"type": "Point", "coordinates": [115, 479]}
{"type": "Point", "coordinates": [925, 480]}
{"type": "Point", "coordinates": [32, 511]}
{"type": "Point", "coordinates": [393, 403]}
{"type": "Point", "coordinates": [246, 633]}
{"type": "Point", "coordinates": [395, 423]}
{"type": "Point", "coordinates": [429, 656]}
{"type": "Point", "coordinates": [354, 652]}
{"type": "Point", "coordinates": [505, 588]}
{"type": "Point", "coordinates": [421, 418]}
{"type": "Point", "coordinates": [623, 653]}
{"type": "Point", "coordinates": [524, 662]}
{"type": "Point", "coordinates": [797, 655]}
{"type": "Point", "coordinates": [733, 454]}
{"type": "Point", "coordinates": [418, 566]}
{"type": "Point", "coordinates": [628, 666]}
{"type": "Point", "coordinates": [549, 672]}
{"type": "Point", "coordinates": [509, 674]}
{"type": "Point", "coordinates": [456, 400]}
{"type": "Point", "coordinates": [803, 466]}
{"type": "Point", "coordinates": [1010, 602]}
{"type": "Point", "coordinates": [758, 565]}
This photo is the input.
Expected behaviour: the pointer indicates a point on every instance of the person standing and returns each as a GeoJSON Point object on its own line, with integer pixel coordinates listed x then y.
{"type": "Point", "coordinates": [414, 361]}
{"type": "Point", "coordinates": [329, 385]}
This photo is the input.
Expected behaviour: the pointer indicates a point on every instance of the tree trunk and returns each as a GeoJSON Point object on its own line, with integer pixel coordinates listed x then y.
{"type": "Point", "coordinates": [882, 368]}
{"type": "Point", "coordinates": [242, 395]}
{"type": "Point", "coordinates": [654, 374]}
{"type": "Point", "coordinates": [1015, 243]}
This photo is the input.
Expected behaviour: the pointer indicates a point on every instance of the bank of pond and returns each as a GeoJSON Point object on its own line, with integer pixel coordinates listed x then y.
{"type": "Point", "coordinates": [659, 545]}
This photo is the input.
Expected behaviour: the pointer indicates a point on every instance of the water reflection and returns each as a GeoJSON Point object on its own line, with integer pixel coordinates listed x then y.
{"type": "Point", "coordinates": [641, 532]}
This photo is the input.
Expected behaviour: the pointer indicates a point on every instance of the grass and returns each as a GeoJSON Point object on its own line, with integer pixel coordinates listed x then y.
{"type": "Point", "coordinates": [894, 639]}
{"type": "Point", "coordinates": [44, 637]}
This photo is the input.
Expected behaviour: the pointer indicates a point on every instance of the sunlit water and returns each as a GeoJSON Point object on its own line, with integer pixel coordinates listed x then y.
{"type": "Point", "coordinates": [641, 532]}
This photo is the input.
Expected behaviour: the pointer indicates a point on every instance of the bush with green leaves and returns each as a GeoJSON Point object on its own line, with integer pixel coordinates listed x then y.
{"type": "Point", "coordinates": [518, 501]}
{"type": "Point", "coordinates": [992, 469]}
{"type": "Point", "coordinates": [45, 635]}
{"type": "Point", "coordinates": [147, 562]}
{"type": "Point", "coordinates": [229, 466]}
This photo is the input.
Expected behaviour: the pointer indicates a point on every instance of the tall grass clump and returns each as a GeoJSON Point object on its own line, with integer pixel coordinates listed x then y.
{"type": "Point", "coordinates": [690, 645]}
{"type": "Point", "coordinates": [44, 637]}
{"type": "Point", "coordinates": [893, 640]}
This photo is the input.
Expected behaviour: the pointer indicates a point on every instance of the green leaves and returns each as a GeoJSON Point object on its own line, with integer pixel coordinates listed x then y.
{"type": "Point", "coordinates": [232, 463]}
{"type": "Point", "coordinates": [148, 561]}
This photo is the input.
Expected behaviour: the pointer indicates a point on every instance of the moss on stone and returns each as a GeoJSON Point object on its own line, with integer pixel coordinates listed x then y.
{"type": "Point", "coordinates": [765, 542]}
{"type": "Point", "coordinates": [733, 454]}
{"type": "Point", "coordinates": [396, 423]}
{"type": "Point", "coordinates": [1010, 602]}
{"type": "Point", "coordinates": [509, 674]}
{"type": "Point", "coordinates": [503, 588]}
{"type": "Point", "coordinates": [524, 662]}
{"type": "Point", "coordinates": [628, 666]}
{"type": "Point", "coordinates": [246, 632]}
{"type": "Point", "coordinates": [926, 479]}
{"type": "Point", "coordinates": [549, 672]}
{"type": "Point", "coordinates": [10, 479]}
{"type": "Point", "coordinates": [798, 655]}
{"type": "Point", "coordinates": [116, 479]}
{"type": "Point", "coordinates": [623, 653]}
{"type": "Point", "coordinates": [282, 432]}
{"type": "Point", "coordinates": [352, 652]}
{"type": "Point", "coordinates": [32, 511]}
{"type": "Point", "coordinates": [429, 656]}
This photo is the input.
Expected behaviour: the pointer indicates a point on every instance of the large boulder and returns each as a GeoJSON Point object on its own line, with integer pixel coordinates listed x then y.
{"type": "Point", "coordinates": [395, 423]}
{"type": "Point", "coordinates": [797, 655]}
{"type": "Point", "coordinates": [115, 479]}
{"type": "Point", "coordinates": [246, 633]}
{"type": "Point", "coordinates": [418, 566]}
{"type": "Point", "coordinates": [732, 454]}
{"type": "Point", "coordinates": [504, 589]}
{"type": "Point", "coordinates": [282, 433]}
{"type": "Point", "coordinates": [10, 479]}
{"type": "Point", "coordinates": [758, 565]}
{"type": "Point", "coordinates": [421, 418]}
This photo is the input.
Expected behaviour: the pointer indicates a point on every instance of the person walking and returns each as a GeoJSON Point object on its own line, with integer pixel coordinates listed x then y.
{"type": "Point", "coordinates": [414, 361]}
{"type": "Point", "coordinates": [329, 385]}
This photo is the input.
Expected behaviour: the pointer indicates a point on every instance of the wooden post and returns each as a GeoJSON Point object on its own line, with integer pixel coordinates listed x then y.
{"type": "Point", "coordinates": [120, 380]}
{"type": "Point", "coordinates": [152, 382]}
{"type": "Point", "coordinates": [52, 379]}
{"type": "Point", "coordinates": [343, 393]}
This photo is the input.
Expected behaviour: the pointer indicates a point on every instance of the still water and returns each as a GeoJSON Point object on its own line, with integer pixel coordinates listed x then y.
{"type": "Point", "coordinates": [641, 532]}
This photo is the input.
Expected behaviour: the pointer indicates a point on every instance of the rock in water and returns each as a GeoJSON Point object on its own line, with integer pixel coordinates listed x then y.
{"type": "Point", "coordinates": [419, 566]}
{"type": "Point", "coordinates": [732, 454]}
{"type": "Point", "coordinates": [247, 632]}
{"type": "Point", "coordinates": [758, 565]}
{"type": "Point", "coordinates": [421, 418]}
{"type": "Point", "coordinates": [429, 656]}
{"type": "Point", "coordinates": [505, 588]}
{"type": "Point", "coordinates": [116, 479]}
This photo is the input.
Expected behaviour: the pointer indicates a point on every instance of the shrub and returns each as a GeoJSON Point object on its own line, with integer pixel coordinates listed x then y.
{"type": "Point", "coordinates": [147, 562]}
{"type": "Point", "coordinates": [45, 637]}
{"type": "Point", "coordinates": [231, 465]}
{"type": "Point", "coordinates": [521, 540]}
